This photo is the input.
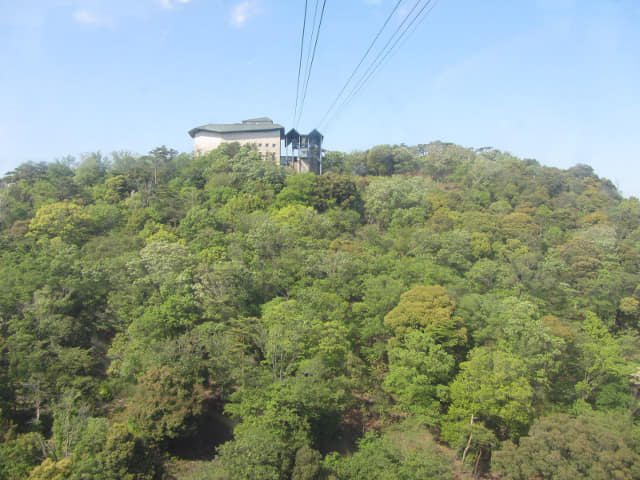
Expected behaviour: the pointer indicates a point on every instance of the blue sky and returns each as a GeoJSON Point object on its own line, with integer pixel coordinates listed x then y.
{"type": "Point", "coordinates": [555, 80]}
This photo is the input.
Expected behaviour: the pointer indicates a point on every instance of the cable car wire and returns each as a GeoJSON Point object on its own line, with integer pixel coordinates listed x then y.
{"type": "Point", "coordinates": [383, 52]}
{"type": "Point", "coordinates": [304, 26]}
{"type": "Point", "coordinates": [307, 62]}
{"type": "Point", "coordinates": [313, 56]}
{"type": "Point", "coordinates": [366, 53]}
{"type": "Point", "coordinates": [387, 50]}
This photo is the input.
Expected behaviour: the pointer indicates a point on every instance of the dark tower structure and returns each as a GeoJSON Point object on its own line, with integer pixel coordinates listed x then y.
{"type": "Point", "coordinates": [303, 153]}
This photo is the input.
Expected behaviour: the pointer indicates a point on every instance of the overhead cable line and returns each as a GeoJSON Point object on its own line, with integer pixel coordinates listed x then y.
{"type": "Point", "coordinates": [313, 56]}
{"type": "Point", "coordinates": [304, 26]}
{"type": "Point", "coordinates": [417, 25]}
{"type": "Point", "coordinates": [307, 62]}
{"type": "Point", "coordinates": [400, 37]}
{"type": "Point", "coordinates": [366, 53]}
{"type": "Point", "coordinates": [383, 52]}
{"type": "Point", "coordinates": [388, 49]}
{"type": "Point", "coordinates": [311, 41]}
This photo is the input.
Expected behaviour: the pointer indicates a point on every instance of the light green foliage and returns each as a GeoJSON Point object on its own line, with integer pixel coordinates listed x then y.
{"type": "Point", "coordinates": [515, 327]}
{"type": "Point", "coordinates": [429, 309]}
{"type": "Point", "coordinates": [293, 330]}
{"type": "Point", "coordinates": [397, 197]}
{"type": "Point", "coordinates": [419, 370]}
{"type": "Point", "coordinates": [492, 386]}
{"type": "Point", "coordinates": [601, 363]}
{"type": "Point", "coordinates": [288, 334]}
{"type": "Point", "coordinates": [19, 454]}
{"type": "Point", "coordinates": [222, 289]}
{"type": "Point", "coordinates": [70, 419]}
{"type": "Point", "coordinates": [299, 189]}
{"type": "Point", "coordinates": [628, 312]}
{"type": "Point", "coordinates": [116, 189]}
{"type": "Point", "coordinates": [62, 219]}
{"type": "Point", "coordinates": [403, 453]}
{"type": "Point", "coordinates": [301, 219]}
{"type": "Point", "coordinates": [52, 470]}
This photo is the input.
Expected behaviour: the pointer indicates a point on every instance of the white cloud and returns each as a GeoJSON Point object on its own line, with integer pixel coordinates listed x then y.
{"type": "Point", "coordinates": [87, 17]}
{"type": "Point", "coordinates": [172, 3]}
{"type": "Point", "coordinates": [243, 11]}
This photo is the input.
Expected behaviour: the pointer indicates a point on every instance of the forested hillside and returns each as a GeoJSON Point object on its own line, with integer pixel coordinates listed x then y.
{"type": "Point", "coordinates": [415, 312]}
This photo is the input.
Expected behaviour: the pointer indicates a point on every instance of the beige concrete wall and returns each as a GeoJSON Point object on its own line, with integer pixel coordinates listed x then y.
{"type": "Point", "coordinates": [267, 143]}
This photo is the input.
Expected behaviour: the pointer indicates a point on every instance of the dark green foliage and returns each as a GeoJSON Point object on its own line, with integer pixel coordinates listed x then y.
{"type": "Point", "coordinates": [565, 448]}
{"type": "Point", "coordinates": [163, 405]}
{"type": "Point", "coordinates": [126, 457]}
{"type": "Point", "coordinates": [307, 465]}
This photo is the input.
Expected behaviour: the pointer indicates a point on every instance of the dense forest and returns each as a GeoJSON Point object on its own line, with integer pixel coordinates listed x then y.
{"type": "Point", "coordinates": [415, 312]}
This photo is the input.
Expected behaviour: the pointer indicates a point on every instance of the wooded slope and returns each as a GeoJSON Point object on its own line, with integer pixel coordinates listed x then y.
{"type": "Point", "coordinates": [275, 325]}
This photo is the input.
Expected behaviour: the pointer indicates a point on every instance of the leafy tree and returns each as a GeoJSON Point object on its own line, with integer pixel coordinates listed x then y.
{"type": "Point", "coordinates": [429, 309]}
{"type": "Point", "coordinates": [52, 470]}
{"type": "Point", "coordinates": [380, 160]}
{"type": "Point", "coordinates": [492, 386]}
{"type": "Point", "coordinates": [116, 189]}
{"type": "Point", "coordinates": [405, 452]}
{"type": "Point", "coordinates": [288, 334]}
{"type": "Point", "coordinates": [163, 405]}
{"type": "Point", "coordinates": [126, 457]}
{"type": "Point", "coordinates": [307, 465]}
{"type": "Point", "coordinates": [385, 198]}
{"type": "Point", "coordinates": [562, 447]}
{"type": "Point", "coordinates": [600, 361]}
{"type": "Point", "coordinates": [514, 326]}
{"type": "Point", "coordinates": [19, 454]}
{"type": "Point", "coordinates": [257, 453]}
{"type": "Point", "coordinates": [62, 219]}
{"type": "Point", "coordinates": [419, 370]}
{"type": "Point", "coordinates": [91, 169]}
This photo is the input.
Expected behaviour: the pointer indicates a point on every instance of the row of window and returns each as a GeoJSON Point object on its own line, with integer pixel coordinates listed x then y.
{"type": "Point", "coordinates": [266, 145]}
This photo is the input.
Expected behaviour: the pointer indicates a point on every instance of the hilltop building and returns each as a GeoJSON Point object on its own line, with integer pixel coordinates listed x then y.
{"type": "Point", "coordinates": [301, 152]}
{"type": "Point", "coordinates": [262, 132]}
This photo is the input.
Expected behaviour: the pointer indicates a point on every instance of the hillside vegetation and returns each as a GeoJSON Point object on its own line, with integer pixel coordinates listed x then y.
{"type": "Point", "coordinates": [415, 312]}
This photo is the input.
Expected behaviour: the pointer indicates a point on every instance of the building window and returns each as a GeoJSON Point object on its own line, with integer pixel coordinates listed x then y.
{"type": "Point", "coordinates": [259, 144]}
{"type": "Point", "coordinates": [274, 145]}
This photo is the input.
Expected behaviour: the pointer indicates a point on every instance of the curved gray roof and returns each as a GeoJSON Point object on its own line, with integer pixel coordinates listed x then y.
{"type": "Point", "coordinates": [252, 125]}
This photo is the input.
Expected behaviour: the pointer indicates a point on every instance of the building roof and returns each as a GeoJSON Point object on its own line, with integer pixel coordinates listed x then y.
{"type": "Point", "coordinates": [293, 136]}
{"type": "Point", "coordinates": [315, 133]}
{"type": "Point", "coordinates": [258, 120]}
{"type": "Point", "coordinates": [252, 125]}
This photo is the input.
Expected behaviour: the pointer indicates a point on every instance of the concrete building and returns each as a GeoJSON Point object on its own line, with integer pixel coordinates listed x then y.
{"type": "Point", "coordinates": [301, 152]}
{"type": "Point", "coordinates": [262, 132]}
